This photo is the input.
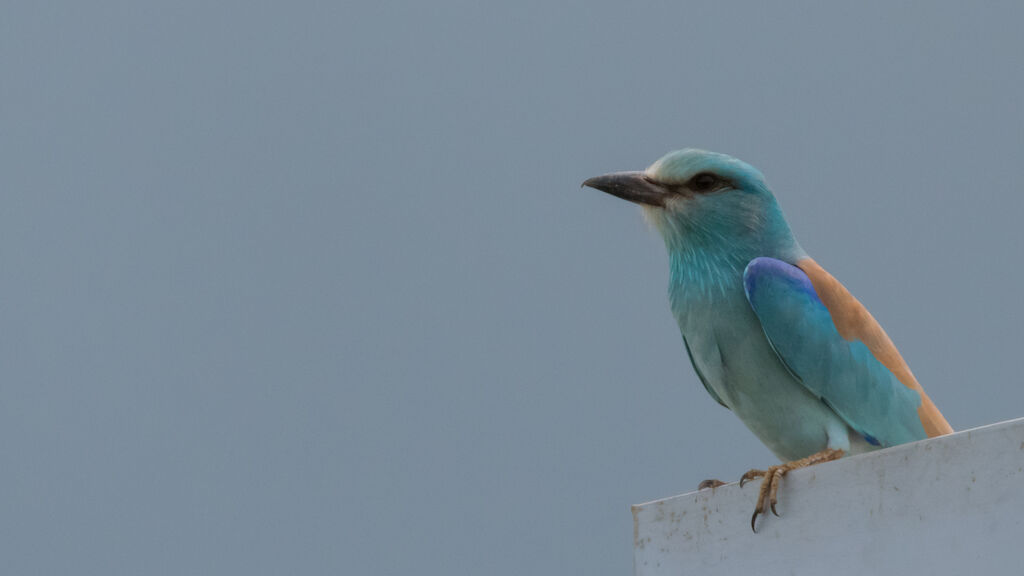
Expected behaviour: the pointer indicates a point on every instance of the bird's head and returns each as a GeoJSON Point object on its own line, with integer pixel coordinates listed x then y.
{"type": "Point", "coordinates": [703, 200]}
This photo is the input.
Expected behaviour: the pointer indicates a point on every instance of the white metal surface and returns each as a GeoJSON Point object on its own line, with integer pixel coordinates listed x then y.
{"type": "Point", "coordinates": [949, 505]}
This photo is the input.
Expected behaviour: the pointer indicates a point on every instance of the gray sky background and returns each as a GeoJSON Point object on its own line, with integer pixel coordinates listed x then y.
{"type": "Point", "coordinates": [311, 287]}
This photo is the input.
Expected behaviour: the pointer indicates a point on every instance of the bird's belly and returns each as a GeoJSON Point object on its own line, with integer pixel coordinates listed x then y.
{"type": "Point", "coordinates": [737, 361]}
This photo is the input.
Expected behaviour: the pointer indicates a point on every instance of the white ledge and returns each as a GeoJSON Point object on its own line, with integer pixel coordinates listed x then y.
{"type": "Point", "coordinates": [947, 505]}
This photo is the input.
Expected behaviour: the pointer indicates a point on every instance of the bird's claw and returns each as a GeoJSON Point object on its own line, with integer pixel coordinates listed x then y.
{"type": "Point", "coordinates": [750, 475]}
{"type": "Point", "coordinates": [767, 496]}
{"type": "Point", "coordinates": [710, 483]}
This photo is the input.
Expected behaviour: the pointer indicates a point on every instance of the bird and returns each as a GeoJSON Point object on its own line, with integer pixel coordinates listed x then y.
{"type": "Point", "coordinates": [771, 335]}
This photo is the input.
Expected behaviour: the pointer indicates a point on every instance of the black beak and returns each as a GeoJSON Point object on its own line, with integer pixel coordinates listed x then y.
{"type": "Point", "coordinates": [632, 186]}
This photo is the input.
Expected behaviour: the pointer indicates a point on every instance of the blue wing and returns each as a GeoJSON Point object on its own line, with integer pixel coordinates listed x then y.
{"type": "Point", "coordinates": [700, 375]}
{"type": "Point", "coordinates": [845, 374]}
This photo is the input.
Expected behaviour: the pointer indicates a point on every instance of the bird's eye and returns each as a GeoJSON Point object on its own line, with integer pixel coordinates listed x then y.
{"type": "Point", "coordinates": [704, 182]}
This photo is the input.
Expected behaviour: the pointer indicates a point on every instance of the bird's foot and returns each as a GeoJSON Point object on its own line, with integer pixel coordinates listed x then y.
{"type": "Point", "coordinates": [767, 495]}
{"type": "Point", "coordinates": [710, 483]}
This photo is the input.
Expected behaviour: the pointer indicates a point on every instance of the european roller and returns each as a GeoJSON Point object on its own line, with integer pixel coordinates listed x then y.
{"type": "Point", "coordinates": [772, 336]}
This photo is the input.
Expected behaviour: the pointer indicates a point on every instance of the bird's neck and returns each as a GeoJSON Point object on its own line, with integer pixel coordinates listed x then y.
{"type": "Point", "coordinates": [709, 270]}
{"type": "Point", "coordinates": [699, 274]}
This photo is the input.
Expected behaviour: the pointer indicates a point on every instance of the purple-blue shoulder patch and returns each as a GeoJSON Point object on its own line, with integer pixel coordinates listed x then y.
{"type": "Point", "coordinates": [771, 269]}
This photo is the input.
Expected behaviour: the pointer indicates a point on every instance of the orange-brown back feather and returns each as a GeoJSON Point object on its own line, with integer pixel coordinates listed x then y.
{"type": "Point", "coordinates": [854, 322]}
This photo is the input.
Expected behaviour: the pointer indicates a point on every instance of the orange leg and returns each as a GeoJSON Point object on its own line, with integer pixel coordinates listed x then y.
{"type": "Point", "coordinates": [767, 495]}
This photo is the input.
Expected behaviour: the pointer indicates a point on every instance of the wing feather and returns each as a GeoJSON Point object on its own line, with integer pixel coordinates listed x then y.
{"type": "Point", "coordinates": [854, 322]}
{"type": "Point", "coordinates": [837, 350]}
